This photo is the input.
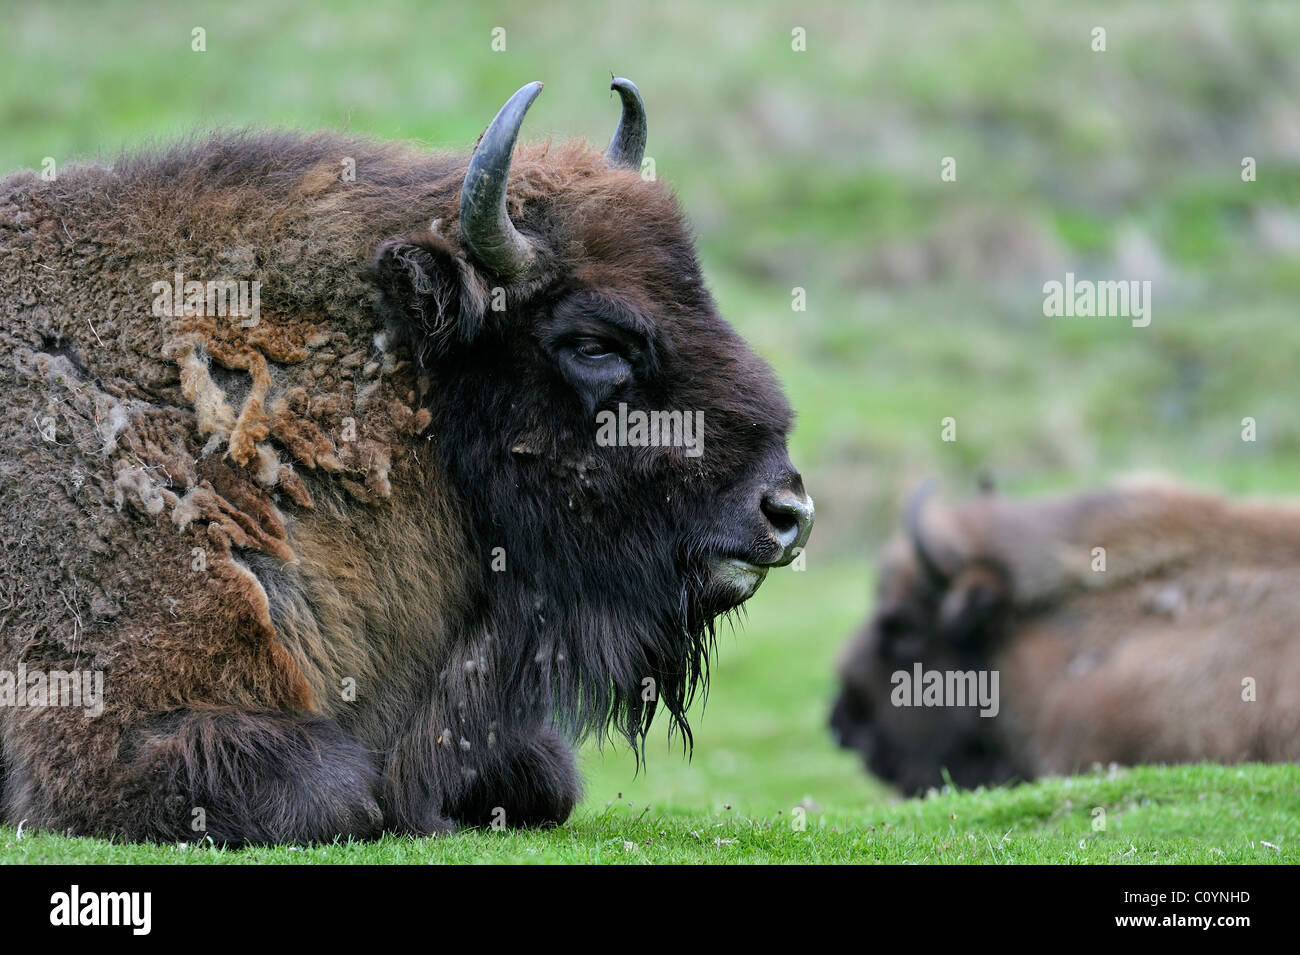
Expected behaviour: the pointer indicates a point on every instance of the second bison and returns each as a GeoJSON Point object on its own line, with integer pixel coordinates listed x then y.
{"type": "Point", "coordinates": [1148, 623]}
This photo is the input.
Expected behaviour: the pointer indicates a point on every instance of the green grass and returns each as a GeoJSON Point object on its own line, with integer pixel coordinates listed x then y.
{"type": "Point", "coordinates": [1189, 814]}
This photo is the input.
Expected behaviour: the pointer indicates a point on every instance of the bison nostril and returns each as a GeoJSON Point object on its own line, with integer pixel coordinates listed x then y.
{"type": "Point", "coordinates": [783, 520]}
{"type": "Point", "coordinates": [790, 514]}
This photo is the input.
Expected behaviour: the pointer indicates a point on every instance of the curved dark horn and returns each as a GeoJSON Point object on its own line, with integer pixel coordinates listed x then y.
{"type": "Point", "coordinates": [485, 225]}
{"type": "Point", "coordinates": [912, 522]}
{"type": "Point", "coordinates": [628, 145]}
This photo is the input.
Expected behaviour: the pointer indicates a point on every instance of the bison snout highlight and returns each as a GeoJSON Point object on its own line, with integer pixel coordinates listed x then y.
{"type": "Point", "coordinates": [789, 513]}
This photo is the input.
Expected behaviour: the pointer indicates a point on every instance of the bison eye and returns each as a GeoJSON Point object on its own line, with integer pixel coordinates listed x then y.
{"type": "Point", "coordinates": [594, 366]}
{"type": "Point", "coordinates": [596, 350]}
{"type": "Point", "coordinates": [598, 357]}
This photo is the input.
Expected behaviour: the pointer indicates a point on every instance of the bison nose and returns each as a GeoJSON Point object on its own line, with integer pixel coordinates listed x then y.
{"type": "Point", "coordinates": [789, 512]}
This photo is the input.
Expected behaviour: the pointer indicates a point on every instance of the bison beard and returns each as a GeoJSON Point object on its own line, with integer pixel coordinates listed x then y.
{"type": "Point", "coordinates": [362, 566]}
{"type": "Point", "coordinates": [620, 590]}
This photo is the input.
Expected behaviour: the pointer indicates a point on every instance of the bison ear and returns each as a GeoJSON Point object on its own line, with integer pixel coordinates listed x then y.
{"type": "Point", "coordinates": [432, 290]}
{"type": "Point", "coordinates": [974, 607]}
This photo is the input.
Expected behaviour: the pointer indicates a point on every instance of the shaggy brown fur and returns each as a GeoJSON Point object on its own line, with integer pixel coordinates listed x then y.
{"type": "Point", "coordinates": [274, 540]}
{"type": "Point", "coordinates": [1141, 663]}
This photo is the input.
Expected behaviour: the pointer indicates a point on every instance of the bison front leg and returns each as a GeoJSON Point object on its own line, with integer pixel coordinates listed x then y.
{"type": "Point", "coordinates": [239, 777]}
{"type": "Point", "coordinates": [537, 787]}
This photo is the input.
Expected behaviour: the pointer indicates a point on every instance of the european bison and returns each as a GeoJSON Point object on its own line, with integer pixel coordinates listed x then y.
{"type": "Point", "coordinates": [302, 459]}
{"type": "Point", "coordinates": [1147, 623]}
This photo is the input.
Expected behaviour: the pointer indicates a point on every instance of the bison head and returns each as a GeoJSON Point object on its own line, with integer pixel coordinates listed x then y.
{"type": "Point", "coordinates": [943, 605]}
{"type": "Point", "coordinates": [556, 303]}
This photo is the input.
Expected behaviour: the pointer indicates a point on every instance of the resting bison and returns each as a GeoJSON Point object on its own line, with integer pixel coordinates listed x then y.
{"type": "Point", "coordinates": [344, 546]}
{"type": "Point", "coordinates": [1175, 643]}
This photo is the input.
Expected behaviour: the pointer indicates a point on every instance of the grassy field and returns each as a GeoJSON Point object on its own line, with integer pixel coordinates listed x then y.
{"type": "Point", "coordinates": [1197, 814]}
{"type": "Point", "coordinates": [819, 170]}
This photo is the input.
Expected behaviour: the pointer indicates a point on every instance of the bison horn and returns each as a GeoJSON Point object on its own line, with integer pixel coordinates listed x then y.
{"type": "Point", "coordinates": [628, 145]}
{"type": "Point", "coordinates": [485, 225]}
{"type": "Point", "coordinates": [912, 521]}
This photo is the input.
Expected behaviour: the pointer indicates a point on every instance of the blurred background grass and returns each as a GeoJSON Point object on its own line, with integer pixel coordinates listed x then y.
{"type": "Point", "coordinates": [820, 170]}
